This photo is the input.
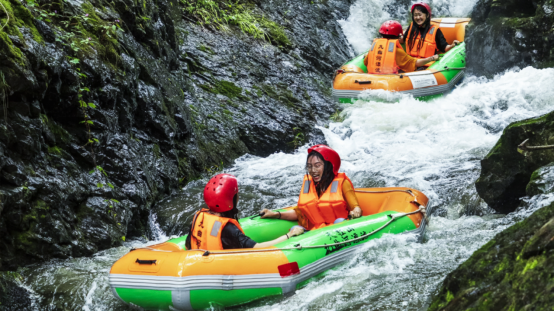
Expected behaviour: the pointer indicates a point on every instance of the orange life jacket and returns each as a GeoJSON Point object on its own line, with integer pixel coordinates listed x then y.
{"type": "Point", "coordinates": [381, 58]}
{"type": "Point", "coordinates": [429, 46]}
{"type": "Point", "coordinates": [330, 206]}
{"type": "Point", "coordinates": [206, 230]}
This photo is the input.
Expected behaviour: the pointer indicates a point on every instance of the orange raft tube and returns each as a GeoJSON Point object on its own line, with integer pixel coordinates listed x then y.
{"type": "Point", "coordinates": [167, 276]}
{"type": "Point", "coordinates": [440, 77]}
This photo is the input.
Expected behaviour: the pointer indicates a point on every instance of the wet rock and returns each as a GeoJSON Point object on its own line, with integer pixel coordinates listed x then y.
{"type": "Point", "coordinates": [169, 100]}
{"type": "Point", "coordinates": [13, 297]}
{"type": "Point", "coordinates": [506, 171]}
{"type": "Point", "coordinates": [511, 272]}
{"type": "Point", "coordinates": [504, 34]}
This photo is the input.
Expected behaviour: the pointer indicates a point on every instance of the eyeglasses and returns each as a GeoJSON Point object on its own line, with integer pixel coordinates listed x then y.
{"type": "Point", "coordinates": [420, 15]}
{"type": "Point", "coordinates": [314, 167]}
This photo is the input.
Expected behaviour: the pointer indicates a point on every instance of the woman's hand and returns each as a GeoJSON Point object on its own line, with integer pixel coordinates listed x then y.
{"type": "Point", "coordinates": [268, 214]}
{"type": "Point", "coordinates": [456, 42]}
{"type": "Point", "coordinates": [297, 230]}
{"type": "Point", "coordinates": [356, 213]}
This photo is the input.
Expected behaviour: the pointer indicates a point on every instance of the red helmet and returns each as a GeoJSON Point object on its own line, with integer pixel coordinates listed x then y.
{"type": "Point", "coordinates": [328, 154]}
{"type": "Point", "coordinates": [219, 192]}
{"type": "Point", "coordinates": [423, 4]}
{"type": "Point", "coordinates": [391, 28]}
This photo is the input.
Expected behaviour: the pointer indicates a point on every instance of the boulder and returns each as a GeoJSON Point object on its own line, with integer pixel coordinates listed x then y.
{"type": "Point", "coordinates": [513, 271]}
{"type": "Point", "coordinates": [504, 34]}
{"type": "Point", "coordinates": [506, 171]}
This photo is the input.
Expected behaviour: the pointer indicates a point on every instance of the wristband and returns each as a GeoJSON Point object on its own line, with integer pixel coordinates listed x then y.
{"type": "Point", "coordinates": [279, 215]}
{"type": "Point", "coordinates": [287, 236]}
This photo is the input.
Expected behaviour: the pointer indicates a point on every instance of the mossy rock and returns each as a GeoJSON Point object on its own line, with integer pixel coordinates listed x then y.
{"type": "Point", "coordinates": [514, 271]}
{"type": "Point", "coordinates": [506, 171]}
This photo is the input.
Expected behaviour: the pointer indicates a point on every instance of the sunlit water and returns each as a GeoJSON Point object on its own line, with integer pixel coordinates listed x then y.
{"type": "Point", "coordinates": [384, 141]}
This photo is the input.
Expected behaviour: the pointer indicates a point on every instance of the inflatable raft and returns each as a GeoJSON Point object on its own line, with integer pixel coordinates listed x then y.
{"type": "Point", "coordinates": [439, 77]}
{"type": "Point", "coordinates": [169, 277]}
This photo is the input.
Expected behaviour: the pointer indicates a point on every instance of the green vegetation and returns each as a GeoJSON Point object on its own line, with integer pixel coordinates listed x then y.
{"type": "Point", "coordinates": [226, 88]}
{"type": "Point", "coordinates": [221, 14]}
{"type": "Point", "coordinates": [278, 92]}
{"type": "Point", "coordinates": [4, 89]}
{"type": "Point", "coordinates": [299, 138]}
{"type": "Point", "coordinates": [337, 116]}
{"type": "Point", "coordinates": [54, 151]}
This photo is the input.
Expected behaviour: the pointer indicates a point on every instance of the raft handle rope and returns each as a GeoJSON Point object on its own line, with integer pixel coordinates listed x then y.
{"type": "Point", "coordinates": [393, 217]}
{"type": "Point", "coordinates": [421, 207]}
{"type": "Point", "coordinates": [7, 14]}
{"type": "Point", "coordinates": [342, 71]}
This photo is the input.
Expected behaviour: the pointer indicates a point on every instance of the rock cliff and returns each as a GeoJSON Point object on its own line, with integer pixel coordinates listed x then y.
{"type": "Point", "coordinates": [504, 34]}
{"type": "Point", "coordinates": [110, 105]}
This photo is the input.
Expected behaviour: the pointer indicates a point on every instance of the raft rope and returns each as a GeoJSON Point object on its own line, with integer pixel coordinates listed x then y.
{"type": "Point", "coordinates": [7, 14]}
{"type": "Point", "coordinates": [404, 74]}
{"type": "Point", "coordinates": [300, 247]}
{"type": "Point", "coordinates": [394, 217]}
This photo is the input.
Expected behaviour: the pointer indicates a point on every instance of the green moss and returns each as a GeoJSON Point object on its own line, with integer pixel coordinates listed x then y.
{"type": "Point", "coordinates": [54, 151]}
{"type": "Point", "coordinates": [205, 49]}
{"type": "Point", "coordinates": [60, 133]}
{"type": "Point", "coordinates": [19, 16]}
{"type": "Point", "coordinates": [156, 150]}
{"type": "Point", "coordinates": [223, 87]}
{"type": "Point", "coordinates": [276, 33]}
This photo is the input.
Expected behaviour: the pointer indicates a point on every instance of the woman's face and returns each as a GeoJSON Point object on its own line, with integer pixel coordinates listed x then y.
{"type": "Point", "coordinates": [315, 168]}
{"type": "Point", "coordinates": [419, 17]}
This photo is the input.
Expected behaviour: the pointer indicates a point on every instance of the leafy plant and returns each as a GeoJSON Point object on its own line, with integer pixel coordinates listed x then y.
{"type": "Point", "coordinates": [337, 116]}
{"type": "Point", "coordinates": [298, 138]}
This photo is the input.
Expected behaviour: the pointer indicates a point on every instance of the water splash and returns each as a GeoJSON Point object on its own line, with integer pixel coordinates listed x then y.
{"type": "Point", "coordinates": [366, 17]}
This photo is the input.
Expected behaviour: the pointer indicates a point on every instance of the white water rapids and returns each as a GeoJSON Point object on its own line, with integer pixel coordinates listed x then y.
{"type": "Point", "coordinates": [384, 140]}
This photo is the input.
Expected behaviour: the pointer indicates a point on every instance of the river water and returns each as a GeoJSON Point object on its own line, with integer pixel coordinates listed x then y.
{"type": "Point", "coordinates": [384, 140]}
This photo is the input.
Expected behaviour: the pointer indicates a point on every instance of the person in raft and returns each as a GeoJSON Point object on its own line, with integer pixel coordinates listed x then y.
{"type": "Point", "coordinates": [424, 40]}
{"type": "Point", "coordinates": [386, 55]}
{"type": "Point", "coordinates": [217, 228]}
{"type": "Point", "coordinates": [327, 195]}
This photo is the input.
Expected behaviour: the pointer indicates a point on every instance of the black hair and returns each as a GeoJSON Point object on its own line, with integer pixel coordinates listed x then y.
{"type": "Point", "coordinates": [416, 29]}
{"type": "Point", "coordinates": [233, 213]}
{"type": "Point", "coordinates": [328, 174]}
{"type": "Point", "coordinates": [390, 36]}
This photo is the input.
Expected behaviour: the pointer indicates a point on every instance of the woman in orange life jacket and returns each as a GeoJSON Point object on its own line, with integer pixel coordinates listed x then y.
{"type": "Point", "coordinates": [217, 228]}
{"type": "Point", "coordinates": [386, 55]}
{"type": "Point", "coordinates": [424, 39]}
{"type": "Point", "coordinates": [326, 195]}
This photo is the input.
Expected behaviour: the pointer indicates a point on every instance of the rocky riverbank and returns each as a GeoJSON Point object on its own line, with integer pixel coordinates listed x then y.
{"type": "Point", "coordinates": [505, 34]}
{"type": "Point", "coordinates": [514, 270]}
{"type": "Point", "coordinates": [109, 106]}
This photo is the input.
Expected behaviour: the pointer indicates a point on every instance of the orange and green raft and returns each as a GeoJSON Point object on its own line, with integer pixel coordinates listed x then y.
{"type": "Point", "coordinates": [439, 77]}
{"type": "Point", "coordinates": [169, 277]}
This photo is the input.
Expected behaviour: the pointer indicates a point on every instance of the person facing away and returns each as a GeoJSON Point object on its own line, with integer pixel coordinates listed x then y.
{"type": "Point", "coordinates": [386, 55]}
{"type": "Point", "coordinates": [217, 227]}
{"type": "Point", "coordinates": [326, 196]}
{"type": "Point", "coordinates": [424, 39]}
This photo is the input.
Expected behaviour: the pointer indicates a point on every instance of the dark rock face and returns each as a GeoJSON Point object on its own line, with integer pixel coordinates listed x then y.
{"type": "Point", "coordinates": [169, 100]}
{"type": "Point", "coordinates": [511, 272]}
{"type": "Point", "coordinates": [505, 171]}
{"type": "Point", "coordinates": [504, 34]}
{"type": "Point", "coordinates": [12, 296]}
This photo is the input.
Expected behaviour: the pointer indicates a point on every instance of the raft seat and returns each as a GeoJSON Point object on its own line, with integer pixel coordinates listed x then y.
{"type": "Point", "coordinates": [452, 28]}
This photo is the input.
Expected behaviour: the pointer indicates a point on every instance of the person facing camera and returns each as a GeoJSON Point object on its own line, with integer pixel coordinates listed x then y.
{"type": "Point", "coordinates": [327, 195]}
